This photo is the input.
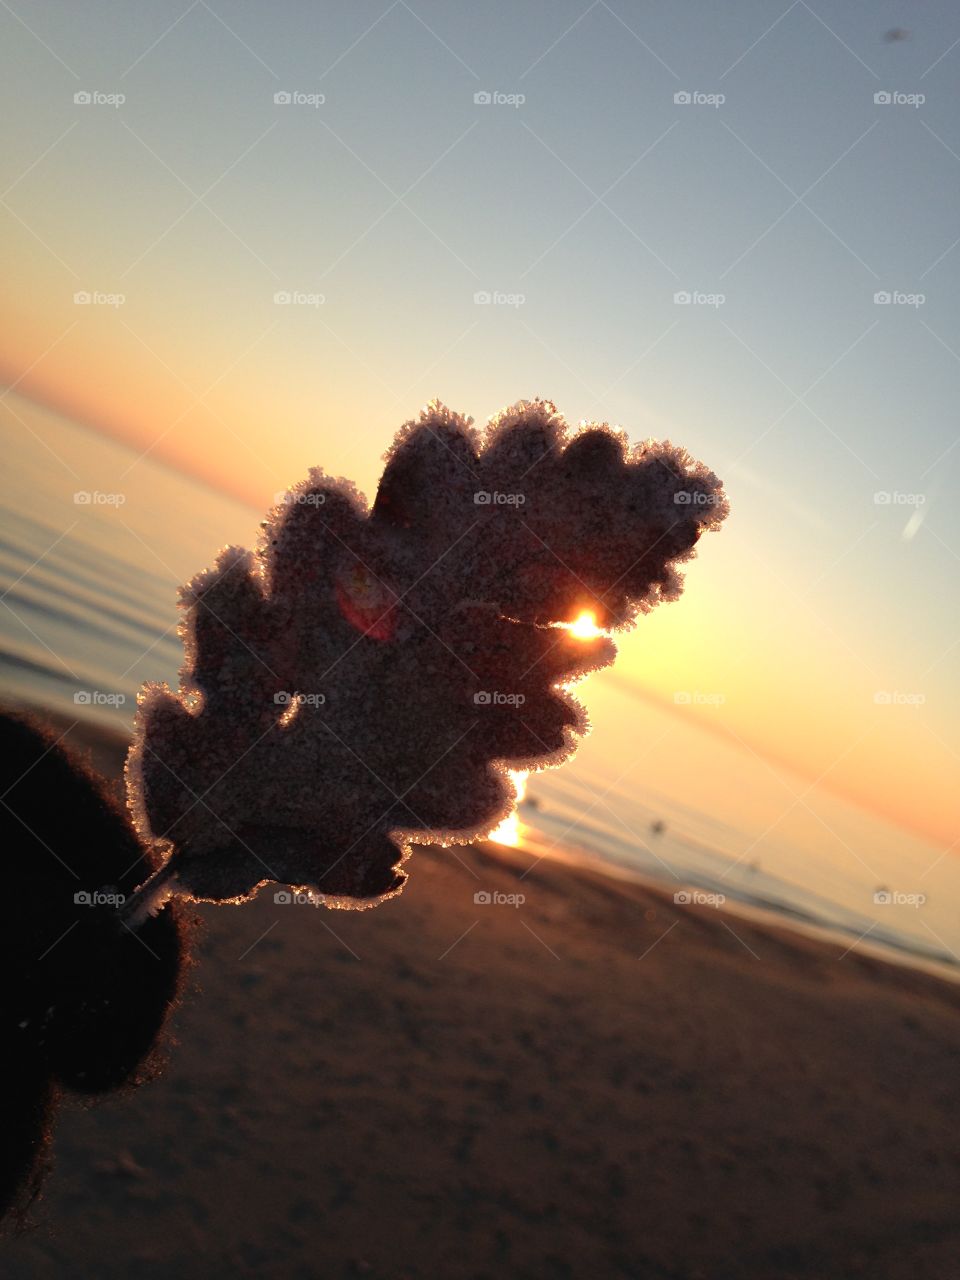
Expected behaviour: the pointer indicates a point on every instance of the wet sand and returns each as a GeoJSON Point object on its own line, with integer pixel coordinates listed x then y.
{"type": "Point", "coordinates": [596, 1082]}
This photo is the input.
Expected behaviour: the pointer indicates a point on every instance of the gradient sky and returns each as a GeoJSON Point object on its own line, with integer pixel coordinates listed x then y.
{"type": "Point", "coordinates": [599, 198]}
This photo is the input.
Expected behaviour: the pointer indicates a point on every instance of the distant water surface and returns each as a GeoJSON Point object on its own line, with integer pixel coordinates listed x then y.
{"type": "Point", "coordinates": [89, 613]}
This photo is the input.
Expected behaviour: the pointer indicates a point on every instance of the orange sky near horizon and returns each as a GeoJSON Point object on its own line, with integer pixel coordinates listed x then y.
{"type": "Point", "coordinates": [823, 723]}
{"type": "Point", "coordinates": [819, 629]}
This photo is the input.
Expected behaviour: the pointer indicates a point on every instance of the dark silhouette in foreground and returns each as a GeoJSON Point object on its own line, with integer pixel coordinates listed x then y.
{"type": "Point", "coordinates": [83, 998]}
{"type": "Point", "coordinates": [364, 681]}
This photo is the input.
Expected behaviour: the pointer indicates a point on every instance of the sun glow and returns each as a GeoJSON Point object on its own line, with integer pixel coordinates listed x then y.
{"type": "Point", "coordinates": [508, 831]}
{"type": "Point", "coordinates": [584, 627]}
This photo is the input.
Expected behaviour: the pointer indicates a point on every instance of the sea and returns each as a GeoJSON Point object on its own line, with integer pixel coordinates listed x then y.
{"type": "Point", "coordinates": [96, 537]}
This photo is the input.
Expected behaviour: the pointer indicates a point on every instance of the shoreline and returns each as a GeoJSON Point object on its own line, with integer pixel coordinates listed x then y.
{"type": "Point", "coordinates": [105, 745]}
{"type": "Point", "coordinates": [759, 914]}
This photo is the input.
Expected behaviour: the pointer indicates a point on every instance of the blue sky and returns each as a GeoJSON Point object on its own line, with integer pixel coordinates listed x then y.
{"type": "Point", "coordinates": [595, 200]}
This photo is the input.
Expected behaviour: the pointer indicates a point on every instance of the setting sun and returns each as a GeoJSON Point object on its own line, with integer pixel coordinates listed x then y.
{"type": "Point", "coordinates": [584, 627]}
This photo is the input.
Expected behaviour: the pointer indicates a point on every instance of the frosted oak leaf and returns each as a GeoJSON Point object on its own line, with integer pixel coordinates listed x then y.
{"type": "Point", "coordinates": [366, 679]}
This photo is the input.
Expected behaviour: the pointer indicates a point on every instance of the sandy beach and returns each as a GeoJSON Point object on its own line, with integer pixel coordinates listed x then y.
{"type": "Point", "coordinates": [595, 1082]}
